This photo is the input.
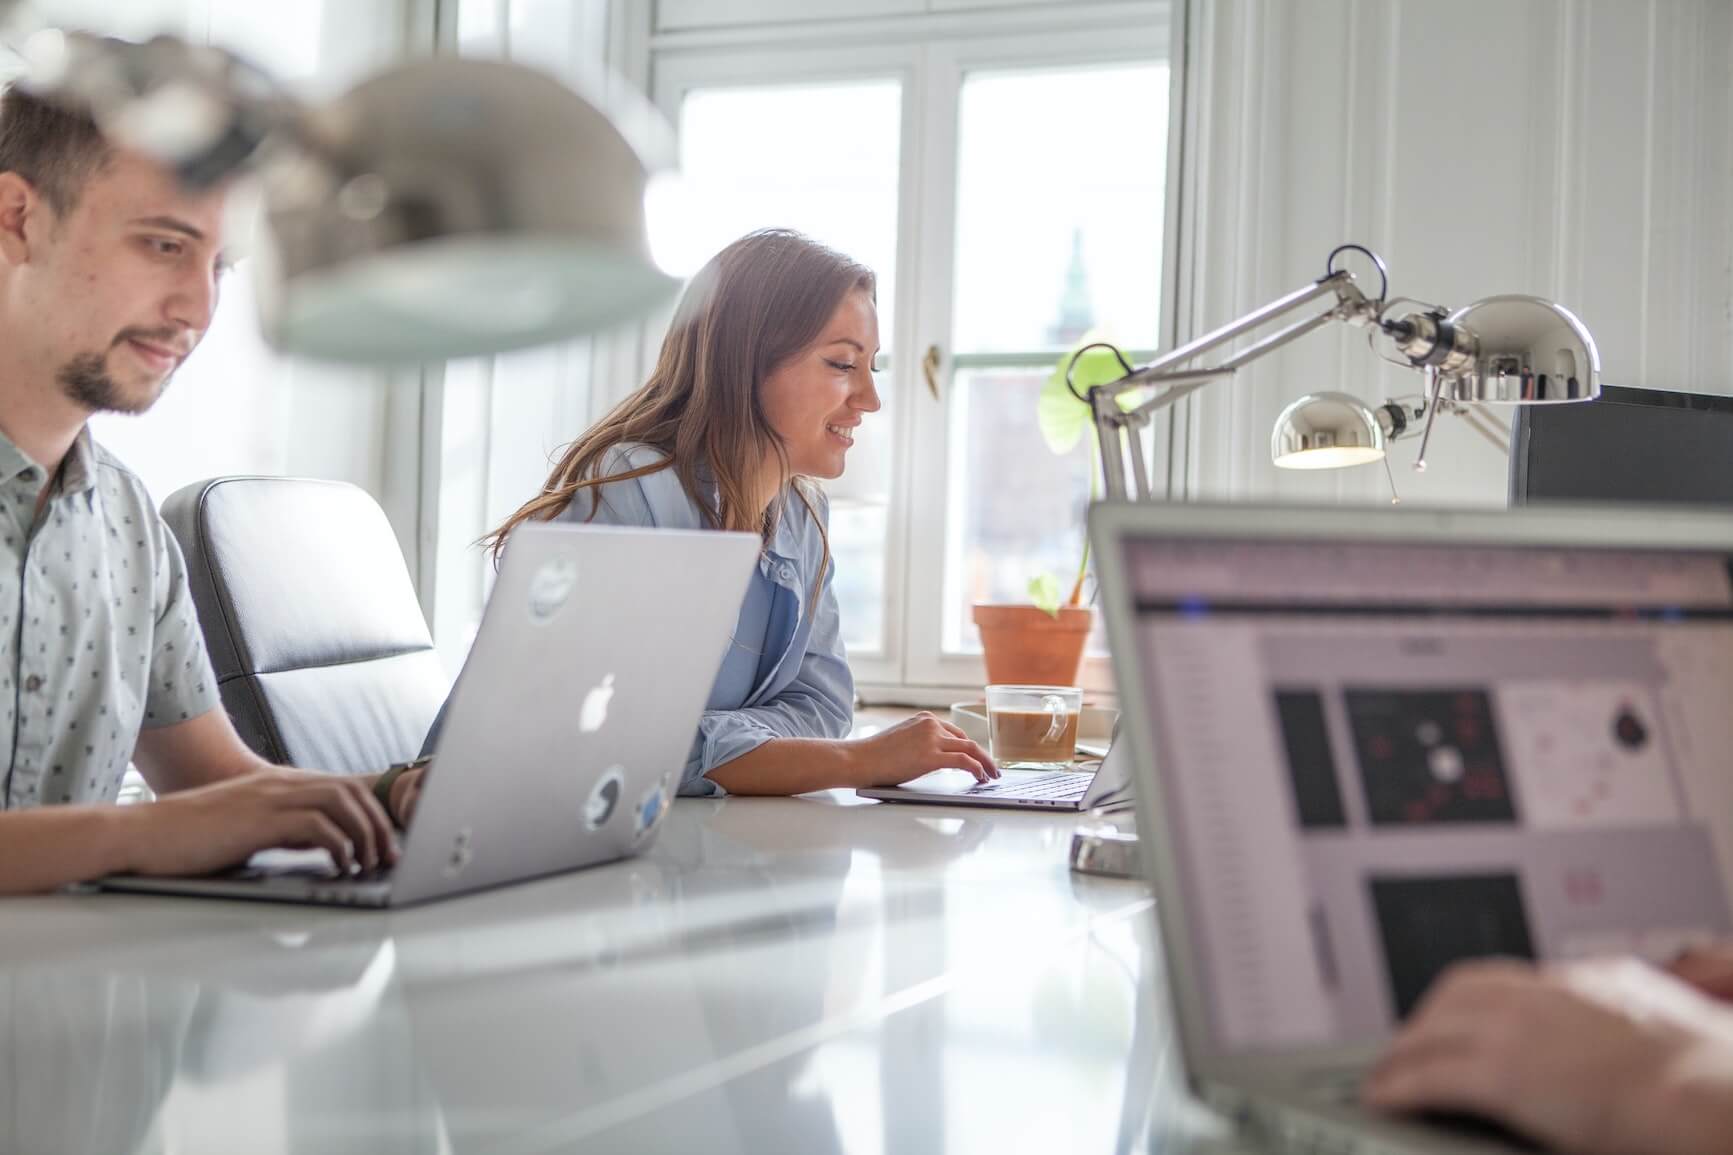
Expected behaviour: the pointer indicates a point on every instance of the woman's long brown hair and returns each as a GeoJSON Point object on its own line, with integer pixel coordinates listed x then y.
{"type": "Point", "coordinates": [759, 302]}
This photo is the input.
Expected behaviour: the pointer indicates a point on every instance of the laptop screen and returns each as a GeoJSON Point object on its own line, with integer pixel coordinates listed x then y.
{"type": "Point", "coordinates": [1378, 758]}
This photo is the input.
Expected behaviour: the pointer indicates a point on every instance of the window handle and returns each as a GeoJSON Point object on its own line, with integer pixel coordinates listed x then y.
{"type": "Point", "coordinates": [930, 370]}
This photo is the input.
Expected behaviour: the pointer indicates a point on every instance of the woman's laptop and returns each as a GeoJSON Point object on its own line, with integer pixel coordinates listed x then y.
{"type": "Point", "coordinates": [1105, 788]}
{"type": "Point", "coordinates": [568, 730]}
{"type": "Point", "coordinates": [1369, 744]}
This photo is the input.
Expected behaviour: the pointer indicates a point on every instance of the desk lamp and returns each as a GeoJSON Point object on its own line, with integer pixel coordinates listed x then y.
{"type": "Point", "coordinates": [443, 208]}
{"type": "Point", "coordinates": [1513, 350]}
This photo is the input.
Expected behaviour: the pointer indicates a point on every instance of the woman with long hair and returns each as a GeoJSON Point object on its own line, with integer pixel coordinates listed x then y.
{"type": "Point", "coordinates": [763, 378]}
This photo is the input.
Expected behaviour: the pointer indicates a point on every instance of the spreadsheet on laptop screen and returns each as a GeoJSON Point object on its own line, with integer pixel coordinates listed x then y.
{"type": "Point", "coordinates": [1379, 757]}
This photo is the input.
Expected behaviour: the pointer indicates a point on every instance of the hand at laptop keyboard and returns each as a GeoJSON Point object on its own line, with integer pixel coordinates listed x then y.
{"type": "Point", "coordinates": [1708, 967]}
{"type": "Point", "coordinates": [212, 827]}
{"type": "Point", "coordinates": [917, 746]}
{"type": "Point", "coordinates": [1614, 1057]}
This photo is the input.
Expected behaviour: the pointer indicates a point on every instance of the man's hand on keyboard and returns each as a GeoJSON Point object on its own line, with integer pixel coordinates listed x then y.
{"type": "Point", "coordinates": [1603, 1058]}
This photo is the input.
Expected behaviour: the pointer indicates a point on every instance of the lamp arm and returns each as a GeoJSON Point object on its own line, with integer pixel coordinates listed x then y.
{"type": "Point", "coordinates": [1183, 383]}
{"type": "Point", "coordinates": [1114, 425]}
{"type": "Point", "coordinates": [1339, 284]}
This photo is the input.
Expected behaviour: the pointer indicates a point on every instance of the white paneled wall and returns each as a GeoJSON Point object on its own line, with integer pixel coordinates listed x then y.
{"type": "Point", "coordinates": [1574, 149]}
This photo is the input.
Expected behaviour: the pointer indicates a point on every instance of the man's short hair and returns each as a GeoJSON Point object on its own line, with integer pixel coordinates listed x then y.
{"type": "Point", "coordinates": [55, 149]}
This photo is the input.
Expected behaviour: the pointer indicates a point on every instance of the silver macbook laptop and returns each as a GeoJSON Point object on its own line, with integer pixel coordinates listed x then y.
{"type": "Point", "coordinates": [1107, 787]}
{"type": "Point", "coordinates": [1371, 743]}
{"type": "Point", "coordinates": [568, 729]}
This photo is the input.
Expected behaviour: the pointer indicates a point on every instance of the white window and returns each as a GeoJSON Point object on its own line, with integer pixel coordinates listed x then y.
{"type": "Point", "coordinates": [1003, 170]}
{"type": "Point", "coordinates": [735, 145]}
{"type": "Point", "coordinates": [1046, 253]}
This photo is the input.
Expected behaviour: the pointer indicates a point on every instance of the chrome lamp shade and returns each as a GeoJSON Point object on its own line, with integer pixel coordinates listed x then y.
{"type": "Point", "coordinates": [1530, 352]}
{"type": "Point", "coordinates": [1326, 431]}
{"type": "Point", "coordinates": [451, 208]}
{"type": "Point", "coordinates": [443, 208]}
{"type": "Point", "coordinates": [1505, 350]}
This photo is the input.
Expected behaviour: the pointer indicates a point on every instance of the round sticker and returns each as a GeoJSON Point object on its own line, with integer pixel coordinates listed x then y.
{"type": "Point", "coordinates": [650, 809]}
{"type": "Point", "coordinates": [604, 797]}
{"type": "Point", "coordinates": [551, 587]}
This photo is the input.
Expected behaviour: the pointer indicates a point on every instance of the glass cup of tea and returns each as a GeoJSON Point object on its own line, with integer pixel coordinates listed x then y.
{"type": "Point", "coordinates": [1033, 727]}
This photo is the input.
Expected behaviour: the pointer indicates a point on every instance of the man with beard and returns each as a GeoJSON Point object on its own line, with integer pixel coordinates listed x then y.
{"type": "Point", "coordinates": [109, 272]}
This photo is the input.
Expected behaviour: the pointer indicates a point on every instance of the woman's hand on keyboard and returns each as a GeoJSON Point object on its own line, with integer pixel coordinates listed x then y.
{"type": "Point", "coordinates": [918, 746]}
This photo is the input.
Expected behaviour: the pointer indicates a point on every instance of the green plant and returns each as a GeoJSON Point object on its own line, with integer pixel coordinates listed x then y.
{"type": "Point", "coordinates": [1064, 421]}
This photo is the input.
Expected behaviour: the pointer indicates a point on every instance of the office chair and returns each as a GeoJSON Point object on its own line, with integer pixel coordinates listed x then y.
{"type": "Point", "coordinates": [321, 653]}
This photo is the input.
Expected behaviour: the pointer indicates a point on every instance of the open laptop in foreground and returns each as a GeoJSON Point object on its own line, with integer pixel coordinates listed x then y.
{"type": "Point", "coordinates": [1370, 743]}
{"type": "Point", "coordinates": [568, 729]}
{"type": "Point", "coordinates": [1106, 788]}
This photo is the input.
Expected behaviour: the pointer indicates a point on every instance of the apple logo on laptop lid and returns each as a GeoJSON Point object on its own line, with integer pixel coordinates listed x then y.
{"type": "Point", "coordinates": [594, 714]}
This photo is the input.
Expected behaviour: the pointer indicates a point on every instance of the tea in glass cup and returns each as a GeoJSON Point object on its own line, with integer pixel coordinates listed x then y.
{"type": "Point", "coordinates": [1033, 727]}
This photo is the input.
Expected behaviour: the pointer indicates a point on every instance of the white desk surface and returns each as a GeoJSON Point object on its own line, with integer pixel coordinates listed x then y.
{"type": "Point", "coordinates": [810, 975]}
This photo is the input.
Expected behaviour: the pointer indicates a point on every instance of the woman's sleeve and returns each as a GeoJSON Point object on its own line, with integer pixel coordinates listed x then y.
{"type": "Point", "coordinates": [819, 703]}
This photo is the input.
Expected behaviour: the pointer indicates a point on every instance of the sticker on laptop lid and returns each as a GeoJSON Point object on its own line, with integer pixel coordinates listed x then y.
{"type": "Point", "coordinates": [462, 853]}
{"type": "Point", "coordinates": [551, 587]}
{"type": "Point", "coordinates": [605, 797]}
{"type": "Point", "coordinates": [650, 809]}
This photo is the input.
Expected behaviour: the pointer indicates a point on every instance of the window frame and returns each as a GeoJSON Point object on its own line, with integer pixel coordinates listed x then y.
{"type": "Point", "coordinates": [674, 76]}
{"type": "Point", "coordinates": [930, 54]}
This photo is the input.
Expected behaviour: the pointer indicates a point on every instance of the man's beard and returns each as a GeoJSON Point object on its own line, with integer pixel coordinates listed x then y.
{"type": "Point", "coordinates": [86, 380]}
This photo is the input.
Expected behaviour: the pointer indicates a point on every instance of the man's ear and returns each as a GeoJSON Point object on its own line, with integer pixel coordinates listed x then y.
{"type": "Point", "coordinates": [21, 211]}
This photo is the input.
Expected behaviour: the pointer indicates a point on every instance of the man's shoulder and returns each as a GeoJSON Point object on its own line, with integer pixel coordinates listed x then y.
{"type": "Point", "coordinates": [119, 482]}
{"type": "Point", "coordinates": [113, 471]}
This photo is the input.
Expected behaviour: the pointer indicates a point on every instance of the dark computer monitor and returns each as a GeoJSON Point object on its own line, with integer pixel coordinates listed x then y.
{"type": "Point", "coordinates": [1632, 445]}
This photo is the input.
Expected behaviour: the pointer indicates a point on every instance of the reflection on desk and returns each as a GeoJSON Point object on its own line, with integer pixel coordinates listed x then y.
{"type": "Point", "coordinates": [807, 974]}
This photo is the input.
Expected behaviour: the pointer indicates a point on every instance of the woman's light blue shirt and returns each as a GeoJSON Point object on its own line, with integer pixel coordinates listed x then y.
{"type": "Point", "coordinates": [785, 674]}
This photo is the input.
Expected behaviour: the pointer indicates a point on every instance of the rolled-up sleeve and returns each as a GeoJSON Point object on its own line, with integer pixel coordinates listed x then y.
{"type": "Point", "coordinates": [818, 703]}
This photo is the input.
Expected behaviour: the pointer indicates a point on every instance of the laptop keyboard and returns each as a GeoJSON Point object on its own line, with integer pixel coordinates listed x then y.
{"type": "Point", "coordinates": [1055, 786]}
{"type": "Point", "coordinates": [1340, 1086]}
{"type": "Point", "coordinates": [322, 874]}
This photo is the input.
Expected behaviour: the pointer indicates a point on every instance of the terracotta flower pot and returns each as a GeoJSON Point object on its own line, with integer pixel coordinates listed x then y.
{"type": "Point", "coordinates": [1028, 646]}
